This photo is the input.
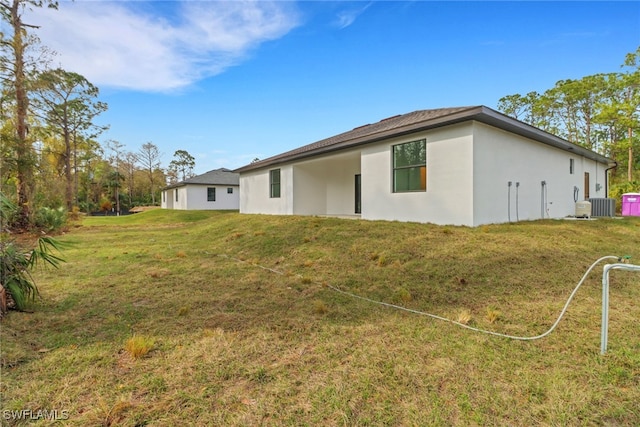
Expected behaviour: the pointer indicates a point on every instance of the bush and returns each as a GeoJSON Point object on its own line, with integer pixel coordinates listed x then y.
{"type": "Point", "coordinates": [617, 190]}
{"type": "Point", "coordinates": [17, 287]}
{"type": "Point", "coordinates": [106, 205]}
{"type": "Point", "coordinates": [75, 214]}
{"type": "Point", "coordinates": [8, 212]}
{"type": "Point", "coordinates": [15, 267]}
{"type": "Point", "coordinates": [49, 219]}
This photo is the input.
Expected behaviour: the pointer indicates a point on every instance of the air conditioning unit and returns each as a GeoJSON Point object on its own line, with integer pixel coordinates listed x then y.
{"type": "Point", "coordinates": [583, 209]}
{"type": "Point", "coordinates": [603, 207]}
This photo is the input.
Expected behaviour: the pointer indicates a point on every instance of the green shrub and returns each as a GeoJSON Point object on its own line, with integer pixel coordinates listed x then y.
{"type": "Point", "coordinates": [16, 264]}
{"type": "Point", "coordinates": [8, 212]}
{"type": "Point", "coordinates": [49, 219]}
{"type": "Point", "coordinates": [617, 190]}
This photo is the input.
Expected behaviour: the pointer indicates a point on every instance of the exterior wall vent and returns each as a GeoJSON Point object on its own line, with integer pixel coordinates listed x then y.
{"type": "Point", "coordinates": [603, 207]}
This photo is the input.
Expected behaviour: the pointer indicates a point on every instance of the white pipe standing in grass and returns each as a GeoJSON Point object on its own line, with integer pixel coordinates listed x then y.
{"type": "Point", "coordinates": [605, 299]}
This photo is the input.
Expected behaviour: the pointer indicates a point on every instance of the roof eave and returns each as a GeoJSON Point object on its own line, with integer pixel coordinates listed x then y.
{"type": "Point", "coordinates": [481, 113]}
{"type": "Point", "coordinates": [184, 184]}
{"type": "Point", "coordinates": [504, 122]}
{"type": "Point", "coordinates": [366, 139]}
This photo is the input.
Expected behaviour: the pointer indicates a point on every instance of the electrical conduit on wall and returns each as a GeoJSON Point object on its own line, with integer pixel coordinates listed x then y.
{"type": "Point", "coordinates": [543, 199]}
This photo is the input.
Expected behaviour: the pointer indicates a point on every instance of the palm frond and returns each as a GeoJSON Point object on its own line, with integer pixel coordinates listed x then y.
{"type": "Point", "coordinates": [43, 252]}
{"type": "Point", "coordinates": [16, 266]}
{"type": "Point", "coordinates": [22, 290]}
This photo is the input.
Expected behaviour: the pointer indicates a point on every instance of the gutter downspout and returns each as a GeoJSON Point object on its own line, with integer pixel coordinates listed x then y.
{"type": "Point", "coordinates": [606, 178]}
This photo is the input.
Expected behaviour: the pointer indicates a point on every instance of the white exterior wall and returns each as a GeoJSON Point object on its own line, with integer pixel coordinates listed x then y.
{"type": "Point", "coordinates": [310, 190]}
{"type": "Point", "coordinates": [166, 200]}
{"type": "Point", "coordinates": [322, 186]}
{"type": "Point", "coordinates": [326, 186]}
{"type": "Point", "coordinates": [500, 157]}
{"type": "Point", "coordinates": [194, 197]}
{"type": "Point", "coordinates": [468, 168]}
{"type": "Point", "coordinates": [449, 180]}
{"type": "Point", "coordinates": [197, 197]}
{"type": "Point", "coordinates": [255, 195]}
{"type": "Point", "coordinates": [181, 203]}
{"type": "Point", "coordinates": [341, 184]}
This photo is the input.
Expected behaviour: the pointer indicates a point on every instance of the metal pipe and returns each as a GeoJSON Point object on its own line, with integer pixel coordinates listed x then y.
{"type": "Point", "coordinates": [517, 201]}
{"type": "Point", "coordinates": [605, 299]}
{"type": "Point", "coordinates": [509, 201]}
{"type": "Point", "coordinates": [543, 201]}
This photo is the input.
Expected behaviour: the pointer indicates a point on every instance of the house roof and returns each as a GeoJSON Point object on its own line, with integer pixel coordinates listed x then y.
{"type": "Point", "coordinates": [220, 176]}
{"type": "Point", "coordinates": [419, 121]}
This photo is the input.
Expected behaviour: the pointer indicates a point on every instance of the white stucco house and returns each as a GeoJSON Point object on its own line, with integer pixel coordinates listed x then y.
{"type": "Point", "coordinates": [460, 166]}
{"type": "Point", "coordinates": [217, 189]}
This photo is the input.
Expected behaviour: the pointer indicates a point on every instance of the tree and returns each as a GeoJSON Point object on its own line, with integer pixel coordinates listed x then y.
{"type": "Point", "coordinates": [183, 164]}
{"type": "Point", "coordinates": [112, 186]}
{"type": "Point", "coordinates": [129, 165]}
{"type": "Point", "coordinates": [88, 162]}
{"type": "Point", "coordinates": [600, 112]}
{"type": "Point", "coordinates": [115, 176]}
{"type": "Point", "coordinates": [14, 67]}
{"type": "Point", "coordinates": [532, 108]}
{"type": "Point", "coordinates": [516, 106]}
{"type": "Point", "coordinates": [610, 132]}
{"type": "Point", "coordinates": [574, 104]}
{"type": "Point", "coordinates": [631, 106]}
{"type": "Point", "coordinates": [149, 158]}
{"type": "Point", "coordinates": [66, 102]}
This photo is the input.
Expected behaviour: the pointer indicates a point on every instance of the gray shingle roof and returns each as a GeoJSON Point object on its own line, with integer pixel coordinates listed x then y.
{"type": "Point", "coordinates": [220, 176]}
{"type": "Point", "coordinates": [418, 121]}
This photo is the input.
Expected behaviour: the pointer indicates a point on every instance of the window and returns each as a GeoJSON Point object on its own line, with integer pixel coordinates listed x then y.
{"type": "Point", "coordinates": [410, 166]}
{"type": "Point", "coordinates": [211, 194]}
{"type": "Point", "coordinates": [176, 194]}
{"type": "Point", "coordinates": [230, 190]}
{"type": "Point", "coordinates": [164, 196]}
{"type": "Point", "coordinates": [358, 194]}
{"type": "Point", "coordinates": [274, 183]}
{"type": "Point", "coordinates": [571, 166]}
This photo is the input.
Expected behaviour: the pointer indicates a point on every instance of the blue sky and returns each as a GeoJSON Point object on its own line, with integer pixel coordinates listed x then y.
{"type": "Point", "coordinates": [231, 81]}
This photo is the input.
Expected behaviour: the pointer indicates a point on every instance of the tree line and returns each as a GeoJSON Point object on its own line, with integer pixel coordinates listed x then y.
{"type": "Point", "coordinates": [600, 112]}
{"type": "Point", "coordinates": [50, 155]}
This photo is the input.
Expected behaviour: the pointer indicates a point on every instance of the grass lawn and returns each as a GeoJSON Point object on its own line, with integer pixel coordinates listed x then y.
{"type": "Point", "coordinates": [230, 343]}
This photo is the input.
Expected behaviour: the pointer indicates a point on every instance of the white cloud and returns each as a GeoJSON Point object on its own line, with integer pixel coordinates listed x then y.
{"type": "Point", "coordinates": [158, 46]}
{"type": "Point", "coordinates": [347, 17]}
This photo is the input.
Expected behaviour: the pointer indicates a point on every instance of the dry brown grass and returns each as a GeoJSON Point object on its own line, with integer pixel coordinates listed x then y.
{"type": "Point", "coordinates": [464, 317]}
{"type": "Point", "coordinates": [138, 346]}
{"type": "Point", "coordinates": [235, 344]}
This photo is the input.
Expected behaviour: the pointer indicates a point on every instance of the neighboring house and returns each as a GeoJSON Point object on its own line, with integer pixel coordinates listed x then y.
{"type": "Point", "coordinates": [463, 166]}
{"type": "Point", "coordinates": [216, 189]}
